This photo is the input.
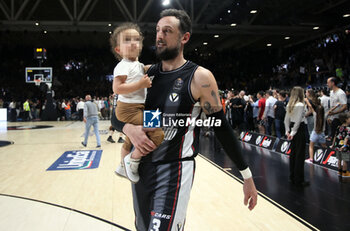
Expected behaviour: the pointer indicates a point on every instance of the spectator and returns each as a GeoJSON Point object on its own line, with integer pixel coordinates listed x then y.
{"type": "Point", "coordinates": [338, 104]}
{"type": "Point", "coordinates": [255, 105]}
{"type": "Point", "coordinates": [237, 111]}
{"type": "Point", "coordinates": [326, 104]}
{"type": "Point", "coordinates": [26, 110]}
{"type": "Point", "coordinates": [295, 131]}
{"type": "Point", "coordinates": [13, 113]}
{"type": "Point", "coordinates": [312, 102]}
{"type": "Point", "coordinates": [80, 109]}
{"type": "Point", "coordinates": [91, 119]}
{"type": "Point", "coordinates": [280, 112]}
{"type": "Point", "coordinates": [317, 134]}
{"type": "Point", "coordinates": [269, 114]}
{"type": "Point", "coordinates": [262, 101]}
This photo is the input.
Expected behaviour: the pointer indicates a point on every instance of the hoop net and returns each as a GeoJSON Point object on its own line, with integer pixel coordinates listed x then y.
{"type": "Point", "coordinates": [37, 82]}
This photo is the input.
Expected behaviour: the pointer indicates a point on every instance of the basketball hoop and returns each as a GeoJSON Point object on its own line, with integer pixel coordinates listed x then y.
{"type": "Point", "coordinates": [37, 82]}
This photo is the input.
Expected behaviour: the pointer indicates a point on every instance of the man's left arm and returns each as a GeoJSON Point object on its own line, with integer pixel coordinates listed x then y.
{"type": "Point", "coordinates": [204, 88]}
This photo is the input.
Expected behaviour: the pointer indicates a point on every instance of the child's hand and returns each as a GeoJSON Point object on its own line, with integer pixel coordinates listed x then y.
{"type": "Point", "coordinates": [145, 82]}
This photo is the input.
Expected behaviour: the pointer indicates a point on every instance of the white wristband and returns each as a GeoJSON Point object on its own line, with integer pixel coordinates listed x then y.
{"type": "Point", "coordinates": [246, 173]}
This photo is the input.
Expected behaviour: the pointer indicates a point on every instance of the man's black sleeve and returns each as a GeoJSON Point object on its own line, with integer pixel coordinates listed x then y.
{"type": "Point", "coordinates": [228, 140]}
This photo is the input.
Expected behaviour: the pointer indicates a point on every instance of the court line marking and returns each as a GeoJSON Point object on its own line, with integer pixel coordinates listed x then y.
{"type": "Point", "coordinates": [71, 209]}
{"type": "Point", "coordinates": [307, 224]}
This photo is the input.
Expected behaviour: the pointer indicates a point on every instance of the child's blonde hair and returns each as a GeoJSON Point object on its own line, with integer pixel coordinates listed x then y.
{"type": "Point", "coordinates": [114, 39]}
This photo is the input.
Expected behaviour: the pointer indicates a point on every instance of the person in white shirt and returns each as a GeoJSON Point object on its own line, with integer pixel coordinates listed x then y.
{"type": "Point", "coordinates": [80, 109]}
{"type": "Point", "coordinates": [338, 104]}
{"type": "Point", "coordinates": [326, 104]}
{"type": "Point", "coordinates": [269, 113]}
{"type": "Point", "coordinates": [294, 123]}
{"type": "Point", "coordinates": [13, 113]}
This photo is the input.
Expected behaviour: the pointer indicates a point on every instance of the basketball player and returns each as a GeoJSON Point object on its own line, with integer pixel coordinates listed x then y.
{"type": "Point", "coordinates": [166, 173]}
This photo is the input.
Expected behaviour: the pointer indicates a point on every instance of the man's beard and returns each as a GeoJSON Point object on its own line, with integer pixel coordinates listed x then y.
{"type": "Point", "coordinates": [168, 53]}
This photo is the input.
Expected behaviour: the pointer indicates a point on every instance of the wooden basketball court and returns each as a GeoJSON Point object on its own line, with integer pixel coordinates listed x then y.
{"type": "Point", "coordinates": [96, 199]}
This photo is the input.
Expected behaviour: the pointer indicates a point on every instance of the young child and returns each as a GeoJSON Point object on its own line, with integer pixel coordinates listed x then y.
{"type": "Point", "coordinates": [340, 144]}
{"type": "Point", "coordinates": [130, 84]}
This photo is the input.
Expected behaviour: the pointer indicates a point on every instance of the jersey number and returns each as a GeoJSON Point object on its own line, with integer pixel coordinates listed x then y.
{"type": "Point", "coordinates": [156, 225]}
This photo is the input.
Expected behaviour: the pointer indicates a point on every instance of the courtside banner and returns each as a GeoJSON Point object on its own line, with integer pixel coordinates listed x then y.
{"type": "Point", "coordinates": [80, 159]}
{"type": "Point", "coordinates": [326, 158]}
{"type": "Point", "coordinates": [264, 141]}
{"type": "Point", "coordinates": [258, 139]}
{"type": "Point", "coordinates": [283, 146]}
{"type": "Point", "coordinates": [250, 137]}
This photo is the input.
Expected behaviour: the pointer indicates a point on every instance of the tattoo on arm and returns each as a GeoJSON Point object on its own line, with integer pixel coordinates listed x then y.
{"type": "Point", "coordinates": [206, 85]}
{"type": "Point", "coordinates": [215, 97]}
{"type": "Point", "coordinates": [207, 107]}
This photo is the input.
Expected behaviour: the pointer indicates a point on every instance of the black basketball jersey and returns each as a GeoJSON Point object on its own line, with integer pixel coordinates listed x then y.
{"type": "Point", "coordinates": [171, 94]}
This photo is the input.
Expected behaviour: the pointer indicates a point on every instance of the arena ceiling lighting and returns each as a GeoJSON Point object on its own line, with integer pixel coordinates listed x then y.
{"type": "Point", "coordinates": [216, 36]}
{"type": "Point", "coordinates": [233, 24]}
{"type": "Point", "coordinates": [205, 43]}
{"type": "Point", "coordinates": [109, 24]}
{"type": "Point", "coordinates": [316, 28]}
{"type": "Point", "coordinates": [286, 38]}
{"type": "Point", "coordinates": [269, 44]}
{"type": "Point", "coordinates": [166, 2]}
{"type": "Point", "coordinates": [253, 11]}
{"type": "Point", "coordinates": [45, 32]}
{"type": "Point", "coordinates": [346, 15]}
{"type": "Point", "coordinates": [36, 24]}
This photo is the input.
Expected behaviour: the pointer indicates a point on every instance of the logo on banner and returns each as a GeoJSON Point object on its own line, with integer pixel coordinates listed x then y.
{"type": "Point", "coordinates": [151, 118]}
{"type": "Point", "coordinates": [319, 155]}
{"type": "Point", "coordinates": [72, 160]}
{"type": "Point", "coordinates": [266, 142]}
{"type": "Point", "coordinates": [258, 140]}
{"type": "Point", "coordinates": [242, 135]}
{"type": "Point", "coordinates": [331, 160]}
{"type": "Point", "coordinates": [285, 146]}
{"type": "Point", "coordinates": [248, 137]}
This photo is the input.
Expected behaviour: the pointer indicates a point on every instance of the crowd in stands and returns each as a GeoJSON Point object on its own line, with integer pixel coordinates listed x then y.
{"type": "Point", "coordinates": [66, 109]}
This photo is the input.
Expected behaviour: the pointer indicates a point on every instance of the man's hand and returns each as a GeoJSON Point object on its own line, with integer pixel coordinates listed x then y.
{"type": "Point", "coordinates": [84, 120]}
{"type": "Point", "coordinates": [250, 193]}
{"type": "Point", "coordinates": [138, 137]}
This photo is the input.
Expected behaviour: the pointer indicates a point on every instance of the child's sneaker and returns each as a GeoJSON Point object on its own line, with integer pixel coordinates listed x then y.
{"type": "Point", "coordinates": [131, 168]}
{"type": "Point", "coordinates": [346, 174]}
{"type": "Point", "coordinates": [120, 171]}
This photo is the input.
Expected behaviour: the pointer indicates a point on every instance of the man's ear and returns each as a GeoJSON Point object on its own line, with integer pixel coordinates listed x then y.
{"type": "Point", "coordinates": [186, 37]}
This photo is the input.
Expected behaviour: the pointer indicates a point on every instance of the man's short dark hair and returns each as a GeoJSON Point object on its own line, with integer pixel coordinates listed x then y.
{"type": "Point", "coordinates": [269, 93]}
{"type": "Point", "coordinates": [185, 20]}
{"type": "Point", "coordinates": [334, 80]}
{"type": "Point", "coordinates": [283, 94]}
{"type": "Point", "coordinates": [261, 93]}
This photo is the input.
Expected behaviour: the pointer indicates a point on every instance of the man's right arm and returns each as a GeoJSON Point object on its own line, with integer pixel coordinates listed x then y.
{"type": "Point", "coordinates": [137, 136]}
